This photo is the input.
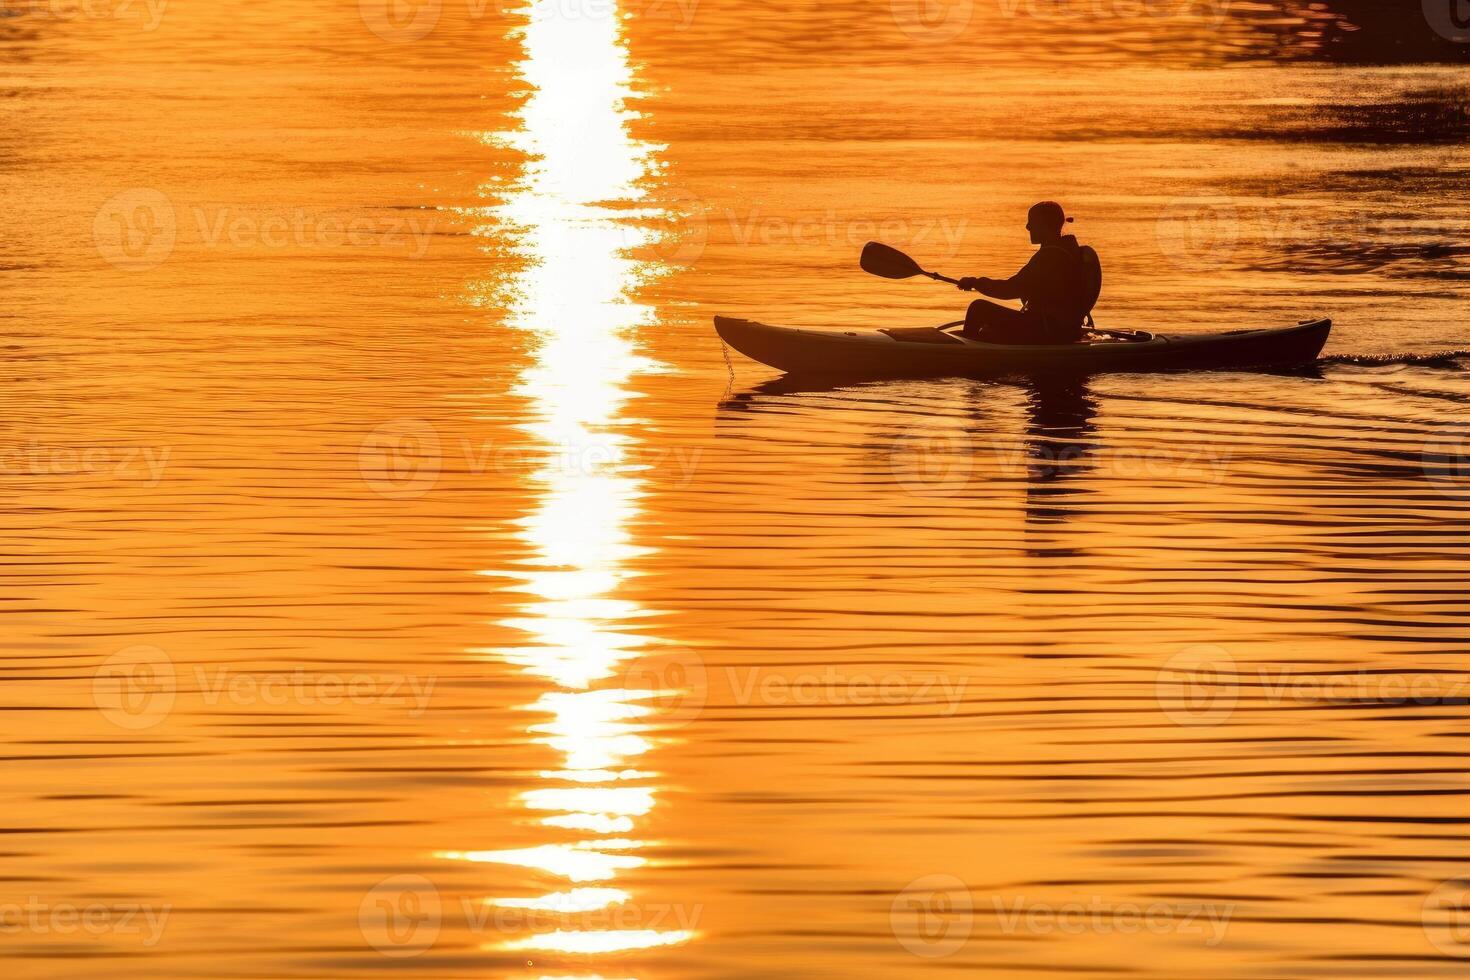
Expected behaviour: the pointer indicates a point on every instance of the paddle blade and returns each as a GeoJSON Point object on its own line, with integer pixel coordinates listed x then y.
{"type": "Point", "coordinates": [890, 263]}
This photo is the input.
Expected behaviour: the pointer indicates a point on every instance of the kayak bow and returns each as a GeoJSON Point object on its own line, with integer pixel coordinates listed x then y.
{"type": "Point", "coordinates": [930, 352]}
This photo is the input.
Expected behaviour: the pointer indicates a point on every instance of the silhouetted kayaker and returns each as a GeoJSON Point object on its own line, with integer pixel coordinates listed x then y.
{"type": "Point", "coordinates": [1058, 288]}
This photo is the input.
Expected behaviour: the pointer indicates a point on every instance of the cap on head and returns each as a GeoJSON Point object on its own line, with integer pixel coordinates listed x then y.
{"type": "Point", "coordinates": [1047, 216]}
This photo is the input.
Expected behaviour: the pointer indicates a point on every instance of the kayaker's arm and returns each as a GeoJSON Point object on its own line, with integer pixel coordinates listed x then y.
{"type": "Point", "coordinates": [1015, 287]}
{"type": "Point", "coordinates": [994, 288]}
{"type": "Point", "coordinates": [1001, 288]}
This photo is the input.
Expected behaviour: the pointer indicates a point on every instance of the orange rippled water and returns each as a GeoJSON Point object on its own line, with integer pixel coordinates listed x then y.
{"type": "Point", "coordinates": [399, 578]}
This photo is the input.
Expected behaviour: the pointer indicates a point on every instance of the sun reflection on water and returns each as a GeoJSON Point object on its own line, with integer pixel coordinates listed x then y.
{"type": "Point", "coordinates": [571, 217]}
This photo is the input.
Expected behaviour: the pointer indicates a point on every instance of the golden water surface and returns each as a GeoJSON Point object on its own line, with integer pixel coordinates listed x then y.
{"type": "Point", "coordinates": [400, 580]}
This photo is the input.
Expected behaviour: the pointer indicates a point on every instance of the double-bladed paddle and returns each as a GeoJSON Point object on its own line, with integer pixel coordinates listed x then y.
{"type": "Point", "coordinates": [890, 263]}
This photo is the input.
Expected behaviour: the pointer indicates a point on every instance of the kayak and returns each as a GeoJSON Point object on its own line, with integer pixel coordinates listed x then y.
{"type": "Point", "coordinates": [932, 352]}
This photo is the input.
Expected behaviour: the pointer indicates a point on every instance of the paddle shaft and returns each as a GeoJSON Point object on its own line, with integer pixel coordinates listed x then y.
{"type": "Point", "coordinates": [938, 278]}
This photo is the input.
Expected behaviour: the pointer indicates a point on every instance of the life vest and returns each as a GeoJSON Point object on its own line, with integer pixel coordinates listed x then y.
{"type": "Point", "coordinates": [1087, 286]}
{"type": "Point", "coordinates": [1089, 282]}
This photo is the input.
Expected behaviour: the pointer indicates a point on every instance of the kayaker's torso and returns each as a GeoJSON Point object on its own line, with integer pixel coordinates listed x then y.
{"type": "Point", "coordinates": [1051, 283]}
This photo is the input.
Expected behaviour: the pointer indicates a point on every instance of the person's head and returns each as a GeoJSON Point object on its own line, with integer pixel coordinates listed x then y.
{"type": "Point", "coordinates": [1044, 221]}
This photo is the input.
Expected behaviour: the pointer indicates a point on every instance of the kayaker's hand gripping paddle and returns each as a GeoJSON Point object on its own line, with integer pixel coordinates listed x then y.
{"type": "Point", "coordinates": [890, 263]}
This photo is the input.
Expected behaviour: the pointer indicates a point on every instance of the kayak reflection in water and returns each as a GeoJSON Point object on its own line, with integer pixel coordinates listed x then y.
{"type": "Point", "coordinates": [1060, 436]}
{"type": "Point", "coordinates": [1059, 431]}
{"type": "Point", "coordinates": [1058, 288]}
